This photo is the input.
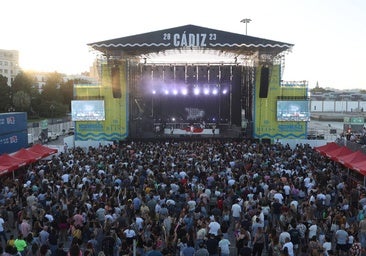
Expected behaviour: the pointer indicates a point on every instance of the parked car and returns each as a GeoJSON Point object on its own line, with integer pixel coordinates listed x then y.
{"type": "Point", "coordinates": [71, 131]}
{"type": "Point", "coordinates": [52, 136]}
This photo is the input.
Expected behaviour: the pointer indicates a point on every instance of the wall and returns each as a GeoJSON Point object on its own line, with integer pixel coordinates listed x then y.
{"type": "Point", "coordinates": [337, 106]}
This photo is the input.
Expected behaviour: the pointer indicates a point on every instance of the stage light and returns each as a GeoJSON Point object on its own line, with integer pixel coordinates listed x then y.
{"type": "Point", "coordinates": [196, 91]}
{"type": "Point", "coordinates": [154, 92]}
{"type": "Point", "coordinates": [214, 91]}
{"type": "Point", "coordinates": [184, 91]}
{"type": "Point", "coordinates": [175, 91]}
{"type": "Point", "coordinates": [166, 92]}
{"type": "Point", "coordinates": [224, 91]}
{"type": "Point", "coordinates": [206, 91]}
{"type": "Point", "coordinates": [173, 119]}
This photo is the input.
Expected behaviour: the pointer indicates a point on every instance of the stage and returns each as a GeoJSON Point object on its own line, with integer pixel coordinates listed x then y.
{"type": "Point", "coordinates": [183, 130]}
{"type": "Point", "coordinates": [213, 77]}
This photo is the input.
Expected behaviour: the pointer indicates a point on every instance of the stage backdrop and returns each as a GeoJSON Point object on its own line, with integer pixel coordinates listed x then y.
{"type": "Point", "coordinates": [266, 124]}
{"type": "Point", "coordinates": [113, 91]}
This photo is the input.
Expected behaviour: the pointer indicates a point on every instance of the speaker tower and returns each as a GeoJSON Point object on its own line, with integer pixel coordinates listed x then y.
{"type": "Point", "coordinates": [264, 82]}
{"type": "Point", "coordinates": [116, 82]}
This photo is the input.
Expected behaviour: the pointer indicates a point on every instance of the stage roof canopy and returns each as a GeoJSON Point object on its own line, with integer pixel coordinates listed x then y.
{"type": "Point", "coordinates": [190, 38]}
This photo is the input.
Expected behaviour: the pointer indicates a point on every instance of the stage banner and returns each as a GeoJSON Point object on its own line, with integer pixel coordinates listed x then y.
{"type": "Point", "coordinates": [266, 124]}
{"type": "Point", "coordinates": [115, 125]}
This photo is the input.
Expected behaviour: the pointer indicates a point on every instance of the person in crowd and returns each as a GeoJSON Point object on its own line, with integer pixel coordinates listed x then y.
{"type": "Point", "coordinates": [288, 247]}
{"type": "Point", "coordinates": [224, 246]}
{"type": "Point", "coordinates": [341, 237]}
{"type": "Point", "coordinates": [258, 242]}
{"type": "Point", "coordinates": [20, 244]}
{"type": "Point", "coordinates": [212, 245]}
{"type": "Point", "coordinates": [202, 251]}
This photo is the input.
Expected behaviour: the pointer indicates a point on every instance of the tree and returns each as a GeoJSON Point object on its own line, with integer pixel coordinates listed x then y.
{"type": "Point", "coordinates": [51, 90]}
{"type": "Point", "coordinates": [23, 82]}
{"type": "Point", "coordinates": [52, 109]}
{"type": "Point", "coordinates": [21, 101]}
{"type": "Point", "coordinates": [5, 101]}
{"type": "Point", "coordinates": [67, 90]}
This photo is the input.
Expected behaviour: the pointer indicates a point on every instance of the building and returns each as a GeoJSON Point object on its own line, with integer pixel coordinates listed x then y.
{"type": "Point", "coordinates": [9, 64]}
{"type": "Point", "coordinates": [39, 78]}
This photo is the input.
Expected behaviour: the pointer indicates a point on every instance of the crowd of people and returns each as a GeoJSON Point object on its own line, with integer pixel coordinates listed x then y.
{"type": "Point", "coordinates": [203, 197]}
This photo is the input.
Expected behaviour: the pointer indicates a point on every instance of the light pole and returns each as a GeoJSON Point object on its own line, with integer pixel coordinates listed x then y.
{"type": "Point", "coordinates": [246, 21]}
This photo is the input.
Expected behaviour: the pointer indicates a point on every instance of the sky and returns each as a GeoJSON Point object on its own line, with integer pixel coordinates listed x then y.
{"type": "Point", "coordinates": [328, 35]}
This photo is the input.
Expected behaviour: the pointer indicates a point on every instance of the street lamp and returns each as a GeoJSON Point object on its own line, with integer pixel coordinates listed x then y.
{"type": "Point", "coordinates": [246, 21]}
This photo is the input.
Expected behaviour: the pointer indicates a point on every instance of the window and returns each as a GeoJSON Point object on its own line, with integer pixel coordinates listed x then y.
{"type": "Point", "coordinates": [5, 71]}
{"type": "Point", "coordinates": [5, 63]}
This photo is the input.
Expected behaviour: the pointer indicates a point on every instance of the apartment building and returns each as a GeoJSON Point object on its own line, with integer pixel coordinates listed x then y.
{"type": "Point", "coordinates": [9, 64]}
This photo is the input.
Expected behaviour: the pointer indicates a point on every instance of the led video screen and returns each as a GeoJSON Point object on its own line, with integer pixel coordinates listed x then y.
{"type": "Point", "coordinates": [87, 110]}
{"type": "Point", "coordinates": [293, 110]}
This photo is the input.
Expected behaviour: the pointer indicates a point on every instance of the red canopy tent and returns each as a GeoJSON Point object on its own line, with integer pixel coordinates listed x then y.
{"type": "Point", "coordinates": [333, 154]}
{"type": "Point", "coordinates": [327, 147]}
{"type": "Point", "coordinates": [28, 156]}
{"type": "Point", "coordinates": [12, 162]}
{"type": "Point", "coordinates": [22, 157]}
{"type": "Point", "coordinates": [4, 169]}
{"type": "Point", "coordinates": [42, 150]}
{"type": "Point", "coordinates": [350, 159]}
{"type": "Point", "coordinates": [360, 167]}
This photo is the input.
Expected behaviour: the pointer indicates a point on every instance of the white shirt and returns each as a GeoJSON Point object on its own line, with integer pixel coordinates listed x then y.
{"type": "Point", "coordinates": [2, 224]}
{"type": "Point", "coordinates": [65, 177]}
{"type": "Point", "coordinates": [327, 247]}
{"type": "Point", "coordinates": [236, 210]}
{"type": "Point", "coordinates": [294, 204]}
{"type": "Point", "coordinates": [214, 228]}
{"type": "Point", "coordinates": [129, 233]}
{"type": "Point", "coordinates": [287, 189]}
{"type": "Point", "coordinates": [312, 230]}
{"type": "Point", "coordinates": [290, 248]}
{"type": "Point", "coordinates": [231, 182]}
{"type": "Point", "coordinates": [278, 196]}
{"type": "Point", "coordinates": [49, 217]}
{"type": "Point", "coordinates": [224, 245]}
{"type": "Point", "coordinates": [139, 222]}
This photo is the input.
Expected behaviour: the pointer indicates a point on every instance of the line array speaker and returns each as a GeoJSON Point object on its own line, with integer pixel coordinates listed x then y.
{"type": "Point", "coordinates": [264, 83]}
{"type": "Point", "coordinates": [116, 82]}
